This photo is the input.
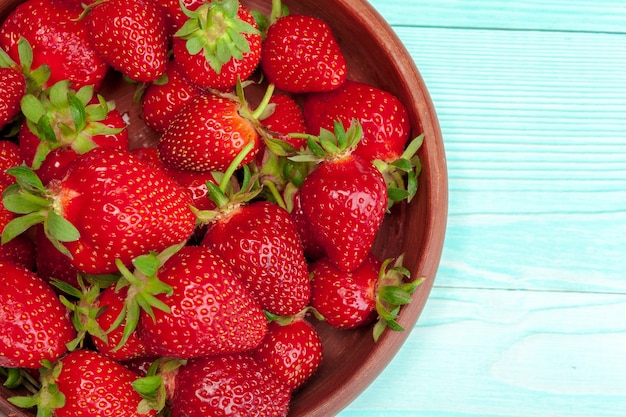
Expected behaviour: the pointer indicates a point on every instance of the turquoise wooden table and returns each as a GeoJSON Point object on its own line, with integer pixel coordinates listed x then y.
{"type": "Point", "coordinates": [528, 313]}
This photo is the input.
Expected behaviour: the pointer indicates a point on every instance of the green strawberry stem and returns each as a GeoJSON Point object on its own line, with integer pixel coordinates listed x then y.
{"type": "Point", "coordinates": [392, 293]}
{"type": "Point", "coordinates": [63, 117]}
{"type": "Point", "coordinates": [143, 285]}
{"type": "Point", "coordinates": [35, 204]}
{"type": "Point", "coordinates": [330, 145]}
{"type": "Point", "coordinates": [84, 310]}
{"type": "Point", "coordinates": [215, 30]}
{"type": "Point", "coordinates": [401, 175]}
{"type": "Point", "coordinates": [35, 78]}
{"type": "Point", "coordinates": [48, 397]}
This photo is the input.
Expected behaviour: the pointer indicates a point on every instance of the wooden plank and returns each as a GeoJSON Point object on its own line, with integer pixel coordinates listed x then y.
{"type": "Point", "coordinates": [537, 164]}
{"type": "Point", "coordinates": [563, 15]}
{"type": "Point", "coordinates": [507, 353]}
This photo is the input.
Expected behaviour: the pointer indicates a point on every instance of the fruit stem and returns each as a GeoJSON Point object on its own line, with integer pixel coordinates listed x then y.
{"type": "Point", "coordinates": [264, 102]}
{"type": "Point", "coordinates": [234, 165]}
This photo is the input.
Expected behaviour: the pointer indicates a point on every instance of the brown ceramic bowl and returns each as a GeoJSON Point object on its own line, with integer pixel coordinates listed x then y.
{"type": "Point", "coordinates": [375, 55]}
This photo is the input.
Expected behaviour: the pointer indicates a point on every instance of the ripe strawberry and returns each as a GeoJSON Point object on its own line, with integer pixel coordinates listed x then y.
{"type": "Point", "coordinates": [163, 100]}
{"type": "Point", "coordinates": [286, 118]}
{"type": "Point", "coordinates": [261, 243]}
{"type": "Point", "coordinates": [300, 54]}
{"type": "Point", "coordinates": [202, 310]}
{"type": "Point", "coordinates": [50, 263]}
{"type": "Point", "coordinates": [344, 199]}
{"type": "Point", "coordinates": [130, 35]}
{"type": "Point", "coordinates": [12, 89]}
{"type": "Point", "coordinates": [63, 123]}
{"type": "Point", "coordinates": [9, 158]}
{"type": "Point", "coordinates": [35, 325]}
{"type": "Point", "coordinates": [312, 249]}
{"type": "Point", "coordinates": [58, 40]}
{"type": "Point", "coordinates": [95, 314]}
{"type": "Point", "coordinates": [208, 134]}
{"type": "Point", "coordinates": [291, 350]}
{"type": "Point", "coordinates": [174, 14]}
{"type": "Point", "coordinates": [92, 385]}
{"type": "Point", "coordinates": [230, 385]}
{"type": "Point", "coordinates": [218, 44]}
{"type": "Point", "coordinates": [195, 182]}
{"type": "Point", "coordinates": [382, 116]}
{"type": "Point", "coordinates": [109, 207]}
{"type": "Point", "coordinates": [351, 299]}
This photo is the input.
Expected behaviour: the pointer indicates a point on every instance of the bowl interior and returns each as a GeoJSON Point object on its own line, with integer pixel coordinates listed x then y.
{"type": "Point", "coordinates": [375, 55]}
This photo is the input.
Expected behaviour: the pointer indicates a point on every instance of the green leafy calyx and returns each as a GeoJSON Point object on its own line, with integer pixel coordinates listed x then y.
{"type": "Point", "coordinates": [215, 30]}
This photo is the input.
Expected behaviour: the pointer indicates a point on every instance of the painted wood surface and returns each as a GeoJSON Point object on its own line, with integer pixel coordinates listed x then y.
{"type": "Point", "coordinates": [528, 313]}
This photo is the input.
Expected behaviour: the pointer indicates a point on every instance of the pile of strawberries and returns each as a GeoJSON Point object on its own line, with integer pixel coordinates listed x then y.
{"type": "Point", "coordinates": [183, 278]}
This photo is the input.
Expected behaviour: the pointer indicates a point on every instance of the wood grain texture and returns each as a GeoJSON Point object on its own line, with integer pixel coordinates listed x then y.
{"type": "Point", "coordinates": [554, 15]}
{"type": "Point", "coordinates": [527, 316]}
{"type": "Point", "coordinates": [507, 353]}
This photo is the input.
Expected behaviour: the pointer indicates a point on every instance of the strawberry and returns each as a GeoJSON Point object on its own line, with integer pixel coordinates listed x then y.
{"type": "Point", "coordinates": [286, 117]}
{"type": "Point", "coordinates": [219, 44]}
{"type": "Point", "coordinates": [12, 89]}
{"type": "Point", "coordinates": [199, 307]}
{"type": "Point", "coordinates": [57, 39]}
{"type": "Point", "coordinates": [344, 198]}
{"type": "Point", "coordinates": [62, 123]}
{"type": "Point", "coordinates": [300, 54]}
{"type": "Point", "coordinates": [163, 100]}
{"type": "Point", "coordinates": [351, 299]}
{"type": "Point", "coordinates": [51, 264]}
{"type": "Point", "coordinates": [195, 182]}
{"type": "Point", "coordinates": [95, 314]}
{"type": "Point", "coordinates": [35, 325]}
{"type": "Point", "coordinates": [208, 134]}
{"type": "Point", "coordinates": [312, 249]}
{"type": "Point", "coordinates": [382, 116]}
{"type": "Point", "coordinates": [130, 35]}
{"type": "Point", "coordinates": [228, 385]}
{"type": "Point", "coordinates": [292, 350]}
{"type": "Point", "coordinates": [386, 130]}
{"type": "Point", "coordinates": [9, 157]}
{"type": "Point", "coordinates": [261, 243]}
{"type": "Point", "coordinates": [110, 206]}
{"type": "Point", "coordinates": [86, 383]}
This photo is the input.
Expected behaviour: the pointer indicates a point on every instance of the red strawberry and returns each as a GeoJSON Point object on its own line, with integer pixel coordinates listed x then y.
{"type": "Point", "coordinates": [94, 385]}
{"type": "Point", "coordinates": [312, 249]}
{"type": "Point", "coordinates": [286, 118]}
{"type": "Point", "coordinates": [219, 44]}
{"type": "Point", "coordinates": [9, 157]}
{"type": "Point", "coordinates": [12, 89]}
{"type": "Point", "coordinates": [195, 182]}
{"type": "Point", "coordinates": [207, 310]}
{"type": "Point", "coordinates": [174, 14]}
{"type": "Point", "coordinates": [110, 302]}
{"type": "Point", "coordinates": [163, 100]}
{"type": "Point", "coordinates": [35, 325]}
{"type": "Point", "coordinates": [207, 135]}
{"type": "Point", "coordinates": [109, 207]}
{"type": "Point", "coordinates": [261, 243]}
{"type": "Point", "coordinates": [58, 40]}
{"type": "Point", "coordinates": [130, 35]}
{"type": "Point", "coordinates": [50, 263]}
{"type": "Point", "coordinates": [20, 251]}
{"type": "Point", "coordinates": [300, 54]}
{"type": "Point", "coordinates": [344, 200]}
{"type": "Point", "coordinates": [231, 385]}
{"type": "Point", "coordinates": [292, 350]}
{"type": "Point", "coordinates": [63, 123]}
{"type": "Point", "coordinates": [384, 119]}
{"type": "Point", "coordinates": [351, 299]}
